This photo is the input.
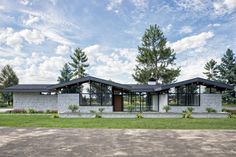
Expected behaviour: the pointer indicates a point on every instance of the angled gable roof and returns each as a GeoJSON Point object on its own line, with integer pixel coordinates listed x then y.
{"type": "Point", "coordinates": [197, 80]}
{"type": "Point", "coordinates": [89, 78]}
{"type": "Point", "coordinates": [129, 87]}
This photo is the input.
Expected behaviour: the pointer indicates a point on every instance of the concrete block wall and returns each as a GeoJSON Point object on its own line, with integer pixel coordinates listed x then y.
{"type": "Point", "coordinates": [34, 101]}
{"type": "Point", "coordinates": [64, 100]}
{"type": "Point", "coordinates": [206, 100]}
{"type": "Point", "coordinates": [163, 101]}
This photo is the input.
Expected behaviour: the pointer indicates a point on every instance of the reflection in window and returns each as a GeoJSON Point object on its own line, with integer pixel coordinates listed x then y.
{"type": "Point", "coordinates": [184, 96]}
{"type": "Point", "coordinates": [97, 94]}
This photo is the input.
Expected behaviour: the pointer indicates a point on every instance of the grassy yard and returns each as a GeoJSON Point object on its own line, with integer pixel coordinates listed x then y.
{"type": "Point", "coordinates": [46, 121]}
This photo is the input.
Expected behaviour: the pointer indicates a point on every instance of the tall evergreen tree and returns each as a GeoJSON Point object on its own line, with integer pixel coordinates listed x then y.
{"type": "Point", "coordinates": [66, 74]}
{"type": "Point", "coordinates": [8, 78]}
{"type": "Point", "coordinates": [78, 64]}
{"type": "Point", "coordinates": [155, 59]}
{"type": "Point", "coordinates": [211, 70]}
{"type": "Point", "coordinates": [227, 70]}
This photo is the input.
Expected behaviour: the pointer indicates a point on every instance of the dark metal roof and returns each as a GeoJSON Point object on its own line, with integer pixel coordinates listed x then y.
{"type": "Point", "coordinates": [129, 87]}
{"type": "Point", "coordinates": [90, 78]}
{"type": "Point", "coordinates": [142, 88]}
{"type": "Point", "coordinates": [195, 80]}
{"type": "Point", "coordinates": [28, 88]}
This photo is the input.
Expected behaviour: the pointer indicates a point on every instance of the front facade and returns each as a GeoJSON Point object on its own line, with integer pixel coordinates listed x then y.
{"type": "Point", "coordinates": [91, 93]}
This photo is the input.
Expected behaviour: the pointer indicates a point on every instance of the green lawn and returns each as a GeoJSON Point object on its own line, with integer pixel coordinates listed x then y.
{"type": "Point", "coordinates": [12, 120]}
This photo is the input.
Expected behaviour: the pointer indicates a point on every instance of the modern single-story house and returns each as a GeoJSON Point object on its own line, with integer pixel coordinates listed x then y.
{"type": "Point", "coordinates": [91, 93]}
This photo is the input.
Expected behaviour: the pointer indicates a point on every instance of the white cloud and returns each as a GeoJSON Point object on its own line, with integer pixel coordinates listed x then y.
{"type": "Point", "coordinates": [14, 39]}
{"type": "Point", "coordinates": [167, 28]}
{"type": "Point", "coordinates": [24, 2]}
{"type": "Point", "coordinates": [224, 6]}
{"type": "Point", "coordinates": [195, 5]}
{"type": "Point", "coordinates": [31, 19]}
{"type": "Point", "coordinates": [191, 42]}
{"type": "Point", "coordinates": [33, 36]}
{"type": "Point", "coordinates": [11, 38]}
{"type": "Point", "coordinates": [56, 37]}
{"type": "Point", "coordinates": [214, 25]}
{"type": "Point", "coordinates": [185, 29]}
{"type": "Point", "coordinates": [113, 4]}
{"type": "Point", "coordinates": [36, 68]}
{"type": "Point", "coordinates": [2, 7]}
{"type": "Point", "coordinates": [62, 49]}
{"type": "Point", "coordinates": [140, 3]}
{"type": "Point", "coordinates": [117, 65]}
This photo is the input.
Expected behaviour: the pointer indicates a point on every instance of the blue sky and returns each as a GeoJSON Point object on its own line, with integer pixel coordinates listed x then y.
{"type": "Point", "coordinates": [37, 37]}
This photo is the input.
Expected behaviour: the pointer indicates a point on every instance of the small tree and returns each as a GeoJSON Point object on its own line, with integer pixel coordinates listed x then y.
{"type": "Point", "coordinates": [73, 108]}
{"type": "Point", "coordinates": [79, 63]}
{"type": "Point", "coordinates": [211, 70]}
{"type": "Point", "coordinates": [166, 108]}
{"type": "Point", "coordinates": [66, 74]}
{"type": "Point", "coordinates": [8, 78]}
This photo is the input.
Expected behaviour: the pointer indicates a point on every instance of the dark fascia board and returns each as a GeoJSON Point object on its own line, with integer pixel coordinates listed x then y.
{"type": "Point", "coordinates": [89, 78]}
{"type": "Point", "coordinates": [195, 80]}
{"type": "Point", "coordinates": [28, 88]}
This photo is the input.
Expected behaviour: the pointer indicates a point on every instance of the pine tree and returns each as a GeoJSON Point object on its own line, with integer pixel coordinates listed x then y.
{"type": "Point", "coordinates": [78, 64]}
{"type": "Point", "coordinates": [8, 78]}
{"type": "Point", "coordinates": [227, 70]}
{"type": "Point", "coordinates": [155, 59]}
{"type": "Point", "coordinates": [211, 70]}
{"type": "Point", "coordinates": [66, 74]}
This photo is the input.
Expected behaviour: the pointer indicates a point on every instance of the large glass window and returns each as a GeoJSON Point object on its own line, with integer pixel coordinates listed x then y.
{"type": "Point", "coordinates": [95, 94]}
{"type": "Point", "coordinates": [184, 96]}
{"type": "Point", "coordinates": [138, 101]}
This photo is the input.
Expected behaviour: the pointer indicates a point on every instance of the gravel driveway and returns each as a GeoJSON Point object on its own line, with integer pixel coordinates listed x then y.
{"type": "Point", "coordinates": [115, 142]}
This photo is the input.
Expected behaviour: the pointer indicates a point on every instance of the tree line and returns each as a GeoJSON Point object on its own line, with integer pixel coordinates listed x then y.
{"type": "Point", "coordinates": [224, 72]}
{"type": "Point", "coordinates": [154, 60]}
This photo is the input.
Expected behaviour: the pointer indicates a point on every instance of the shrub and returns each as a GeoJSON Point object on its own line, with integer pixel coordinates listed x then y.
{"type": "Point", "coordinates": [130, 108]}
{"type": "Point", "coordinates": [51, 111]}
{"type": "Point", "coordinates": [210, 110]}
{"type": "Point", "coordinates": [224, 110]}
{"type": "Point", "coordinates": [231, 115]}
{"type": "Point", "coordinates": [187, 113]}
{"type": "Point", "coordinates": [101, 110]}
{"type": "Point", "coordinates": [139, 115]}
{"type": "Point", "coordinates": [55, 116]}
{"type": "Point", "coordinates": [17, 111]}
{"type": "Point", "coordinates": [73, 108]}
{"type": "Point", "coordinates": [30, 110]}
{"type": "Point", "coordinates": [190, 109]}
{"type": "Point", "coordinates": [97, 114]}
{"type": "Point", "coordinates": [166, 108]}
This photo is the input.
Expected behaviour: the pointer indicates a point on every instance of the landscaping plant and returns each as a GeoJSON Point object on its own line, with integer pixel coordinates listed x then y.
{"type": "Point", "coordinates": [139, 115]}
{"type": "Point", "coordinates": [30, 110]}
{"type": "Point", "coordinates": [55, 116]}
{"type": "Point", "coordinates": [73, 108]}
{"type": "Point", "coordinates": [188, 113]}
{"type": "Point", "coordinates": [210, 110]}
{"type": "Point", "coordinates": [97, 114]}
{"type": "Point", "coordinates": [166, 108]}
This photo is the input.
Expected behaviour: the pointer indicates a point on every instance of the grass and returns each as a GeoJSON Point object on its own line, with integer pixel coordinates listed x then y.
{"type": "Point", "coordinates": [229, 105]}
{"type": "Point", "coordinates": [14, 120]}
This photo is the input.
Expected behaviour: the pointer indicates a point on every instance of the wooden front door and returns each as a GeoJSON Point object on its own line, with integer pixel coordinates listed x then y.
{"type": "Point", "coordinates": [118, 103]}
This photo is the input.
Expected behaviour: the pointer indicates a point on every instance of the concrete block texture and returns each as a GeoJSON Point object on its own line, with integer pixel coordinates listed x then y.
{"type": "Point", "coordinates": [206, 101]}
{"type": "Point", "coordinates": [34, 101]}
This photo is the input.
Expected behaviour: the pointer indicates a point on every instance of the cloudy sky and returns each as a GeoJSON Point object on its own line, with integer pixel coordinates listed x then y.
{"type": "Point", "coordinates": [37, 37]}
